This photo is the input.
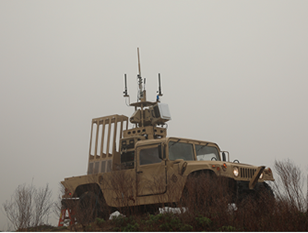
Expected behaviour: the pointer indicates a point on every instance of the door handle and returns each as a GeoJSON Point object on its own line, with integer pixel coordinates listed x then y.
{"type": "Point", "coordinates": [139, 172]}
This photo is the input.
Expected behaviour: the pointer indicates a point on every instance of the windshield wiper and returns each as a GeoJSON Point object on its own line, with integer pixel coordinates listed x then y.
{"type": "Point", "coordinates": [173, 143]}
{"type": "Point", "coordinates": [202, 147]}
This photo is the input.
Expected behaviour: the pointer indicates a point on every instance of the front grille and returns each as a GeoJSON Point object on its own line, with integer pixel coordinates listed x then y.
{"type": "Point", "coordinates": [247, 172]}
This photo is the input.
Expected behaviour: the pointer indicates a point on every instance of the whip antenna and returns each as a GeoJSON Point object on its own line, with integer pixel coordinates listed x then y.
{"type": "Point", "coordinates": [159, 89]}
{"type": "Point", "coordinates": [125, 90]}
{"type": "Point", "coordinates": [139, 62]}
{"type": "Point", "coordinates": [140, 80]}
{"type": "Point", "coordinates": [159, 86]}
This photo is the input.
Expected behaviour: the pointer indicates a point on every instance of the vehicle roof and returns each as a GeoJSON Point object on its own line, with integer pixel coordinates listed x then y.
{"type": "Point", "coordinates": [161, 140]}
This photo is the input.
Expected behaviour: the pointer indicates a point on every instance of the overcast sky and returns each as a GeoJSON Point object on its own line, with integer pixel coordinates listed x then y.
{"type": "Point", "coordinates": [233, 72]}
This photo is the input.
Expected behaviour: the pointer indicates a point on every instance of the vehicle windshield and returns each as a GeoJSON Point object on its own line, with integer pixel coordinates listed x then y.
{"type": "Point", "coordinates": [180, 150]}
{"type": "Point", "coordinates": [206, 153]}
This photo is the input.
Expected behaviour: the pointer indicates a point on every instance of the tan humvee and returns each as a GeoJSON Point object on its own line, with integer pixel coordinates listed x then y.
{"type": "Point", "coordinates": [141, 166]}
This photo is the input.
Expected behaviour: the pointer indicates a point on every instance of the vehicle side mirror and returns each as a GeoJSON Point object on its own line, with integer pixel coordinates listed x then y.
{"type": "Point", "coordinates": [223, 156]}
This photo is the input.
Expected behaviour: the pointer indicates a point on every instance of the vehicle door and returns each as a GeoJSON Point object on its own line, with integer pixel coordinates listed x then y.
{"type": "Point", "coordinates": [151, 171]}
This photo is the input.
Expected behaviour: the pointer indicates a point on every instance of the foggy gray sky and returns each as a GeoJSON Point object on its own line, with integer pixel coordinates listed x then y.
{"type": "Point", "coordinates": [233, 72]}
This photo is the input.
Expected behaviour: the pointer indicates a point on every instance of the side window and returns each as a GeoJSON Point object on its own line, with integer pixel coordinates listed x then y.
{"type": "Point", "coordinates": [206, 153]}
{"type": "Point", "coordinates": [149, 156]}
{"type": "Point", "coordinates": [127, 160]}
{"type": "Point", "coordinates": [181, 150]}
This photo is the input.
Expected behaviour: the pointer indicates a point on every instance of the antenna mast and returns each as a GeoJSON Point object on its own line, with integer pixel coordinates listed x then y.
{"type": "Point", "coordinates": [148, 115]}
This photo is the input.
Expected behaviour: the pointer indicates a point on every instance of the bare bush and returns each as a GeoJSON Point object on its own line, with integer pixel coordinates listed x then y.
{"type": "Point", "coordinates": [289, 184]}
{"type": "Point", "coordinates": [28, 207]}
{"type": "Point", "coordinates": [57, 206]}
{"type": "Point", "coordinates": [42, 205]}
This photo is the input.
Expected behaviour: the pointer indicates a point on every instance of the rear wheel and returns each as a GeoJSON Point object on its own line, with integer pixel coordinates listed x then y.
{"type": "Point", "coordinates": [91, 206]}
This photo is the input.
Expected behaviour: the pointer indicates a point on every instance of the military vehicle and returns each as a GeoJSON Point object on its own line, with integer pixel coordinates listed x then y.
{"type": "Point", "coordinates": [142, 167]}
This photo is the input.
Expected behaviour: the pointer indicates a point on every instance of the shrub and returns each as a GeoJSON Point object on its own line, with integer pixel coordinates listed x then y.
{"type": "Point", "coordinates": [227, 228]}
{"type": "Point", "coordinates": [125, 224]}
{"type": "Point", "coordinates": [203, 222]}
{"type": "Point", "coordinates": [131, 227]}
{"type": "Point", "coordinates": [99, 221]}
{"type": "Point", "coordinates": [166, 222]}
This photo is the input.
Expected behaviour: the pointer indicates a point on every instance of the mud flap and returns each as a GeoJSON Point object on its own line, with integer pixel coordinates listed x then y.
{"type": "Point", "coordinates": [255, 177]}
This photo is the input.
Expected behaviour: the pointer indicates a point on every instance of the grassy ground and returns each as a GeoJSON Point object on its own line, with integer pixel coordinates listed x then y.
{"type": "Point", "coordinates": [251, 217]}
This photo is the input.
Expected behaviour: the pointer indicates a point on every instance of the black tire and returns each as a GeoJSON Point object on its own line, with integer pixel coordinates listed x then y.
{"type": "Point", "coordinates": [265, 195]}
{"type": "Point", "coordinates": [264, 188]}
{"type": "Point", "coordinates": [262, 194]}
{"type": "Point", "coordinates": [204, 191]}
{"type": "Point", "coordinates": [90, 207]}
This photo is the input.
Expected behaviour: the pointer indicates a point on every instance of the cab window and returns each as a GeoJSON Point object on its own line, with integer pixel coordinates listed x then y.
{"type": "Point", "coordinates": [206, 153]}
{"type": "Point", "coordinates": [127, 160]}
{"type": "Point", "coordinates": [149, 156]}
{"type": "Point", "coordinates": [180, 150]}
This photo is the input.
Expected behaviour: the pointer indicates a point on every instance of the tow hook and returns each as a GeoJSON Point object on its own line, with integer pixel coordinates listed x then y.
{"type": "Point", "coordinates": [255, 177]}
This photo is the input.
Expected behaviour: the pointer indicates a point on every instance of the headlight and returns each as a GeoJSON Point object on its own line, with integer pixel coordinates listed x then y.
{"type": "Point", "coordinates": [235, 171]}
{"type": "Point", "coordinates": [261, 176]}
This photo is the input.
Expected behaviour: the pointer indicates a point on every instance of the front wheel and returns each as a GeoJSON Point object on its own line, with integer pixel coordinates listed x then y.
{"type": "Point", "coordinates": [205, 192]}
{"type": "Point", "coordinates": [262, 195]}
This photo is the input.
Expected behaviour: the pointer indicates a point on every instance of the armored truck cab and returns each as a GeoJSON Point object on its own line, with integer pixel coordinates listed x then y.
{"type": "Point", "coordinates": [155, 171]}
